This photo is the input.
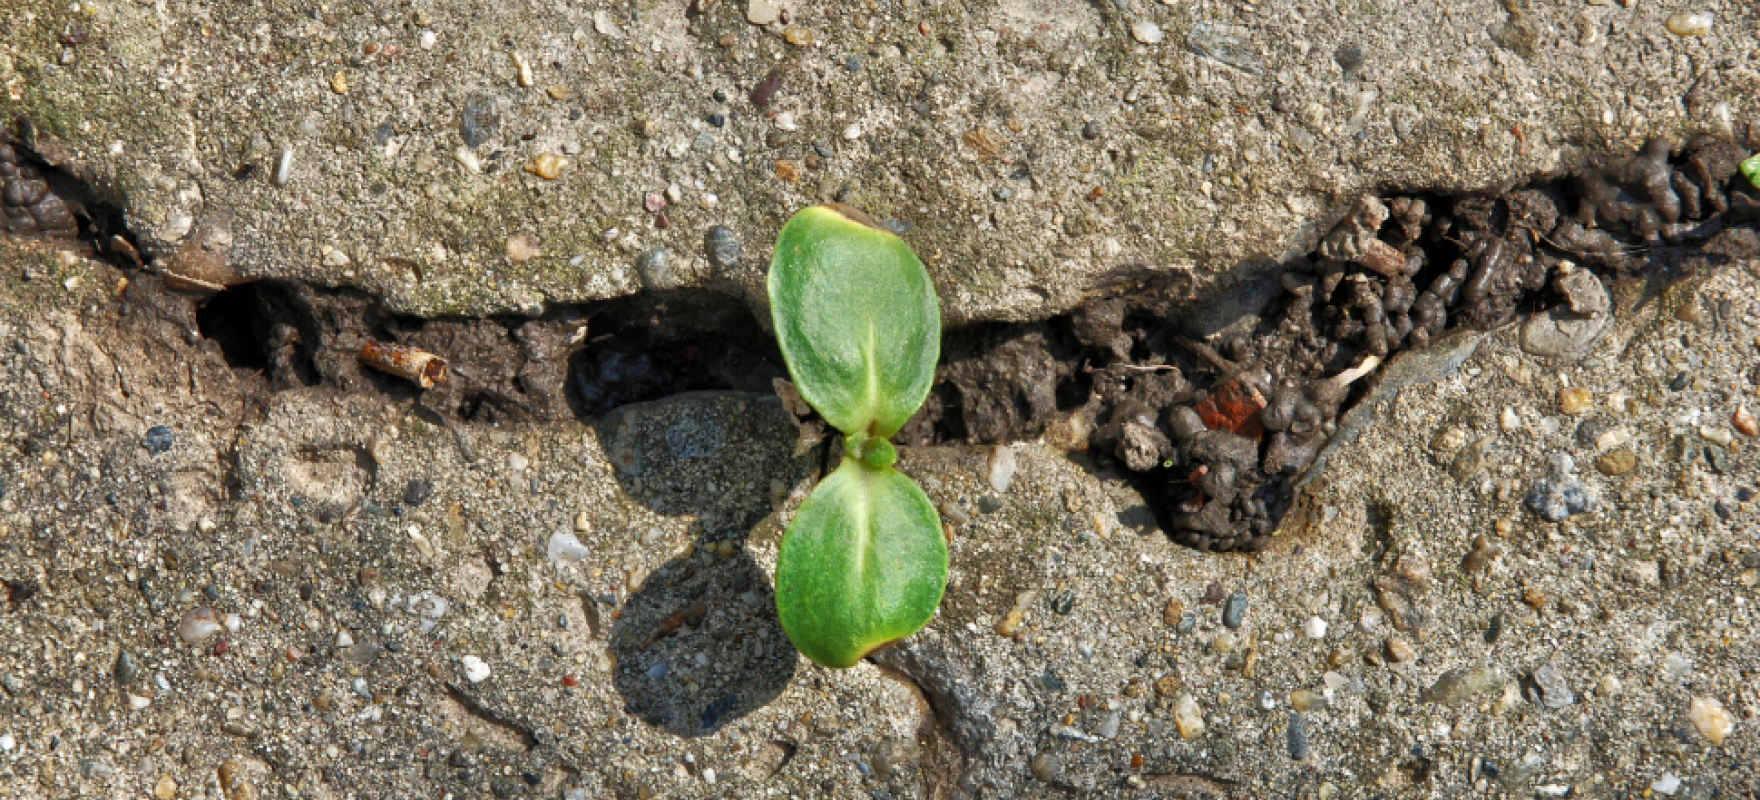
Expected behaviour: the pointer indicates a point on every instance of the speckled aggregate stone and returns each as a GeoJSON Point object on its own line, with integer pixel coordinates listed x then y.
{"type": "Point", "coordinates": [381, 146]}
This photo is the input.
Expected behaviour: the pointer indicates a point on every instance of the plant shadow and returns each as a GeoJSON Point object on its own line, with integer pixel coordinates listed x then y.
{"type": "Point", "coordinates": [698, 645]}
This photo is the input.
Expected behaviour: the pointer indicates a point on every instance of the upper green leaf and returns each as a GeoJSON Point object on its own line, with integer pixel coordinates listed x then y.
{"type": "Point", "coordinates": [856, 317]}
{"type": "Point", "coordinates": [1751, 168]}
{"type": "Point", "coordinates": [862, 565]}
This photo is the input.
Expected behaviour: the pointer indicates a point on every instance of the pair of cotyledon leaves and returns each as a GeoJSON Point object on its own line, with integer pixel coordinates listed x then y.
{"type": "Point", "coordinates": [863, 563]}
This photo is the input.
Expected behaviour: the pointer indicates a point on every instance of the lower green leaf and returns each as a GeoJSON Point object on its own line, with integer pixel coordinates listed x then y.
{"type": "Point", "coordinates": [862, 565]}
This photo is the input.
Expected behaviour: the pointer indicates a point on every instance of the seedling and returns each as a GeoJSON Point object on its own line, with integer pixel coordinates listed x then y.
{"type": "Point", "coordinates": [863, 564]}
{"type": "Point", "coordinates": [1751, 168]}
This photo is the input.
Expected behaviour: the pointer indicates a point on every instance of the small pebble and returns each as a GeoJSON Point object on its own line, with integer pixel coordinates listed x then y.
{"type": "Point", "coordinates": [1615, 463]}
{"type": "Point", "coordinates": [1146, 32]}
{"type": "Point", "coordinates": [566, 547]}
{"type": "Point", "coordinates": [197, 625]}
{"type": "Point", "coordinates": [1557, 497]}
{"type": "Point", "coordinates": [798, 35]}
{"type": "Point", "coordinates": [1224, 642]}
{"type": "Point", "coordinates": [1668, 784]}
{"type": "Point", "coordinates": [158, 439]}
{"type": "Point", "coordinates": [1509, 420]}
{"type": "Point", "coordinates": [426, 40]}
{"type": "Point", "coordinates": [653, 202]}
{"type": "Point", "coordinates": [522, 247]}
{"type": "Point", "coordinates": [1047, 767]}
{"type": "Point", "coordinates": [1551, 689]}
{"type": "Point", "coordinates": [1684, 24]}
{"type": "Point", "coordinates": [7, 743]}
{"type": "Point", "coordinates": [1716, 436]}
{"type": "Point", "coordinates": [723, 248]}
{"type": "Point", "coordinates": [339, 83]}
{"type": "Point", "coordinates": [763, 12]}
{"type": "Point", "coordinates": [1188, 718]}
{"type": "Point", "coordinates": [1298, 737]}
{"type": "Point", "coordinates": [1709, 716]}
{"type": "Point", "coordinates": [1307, 700]}
{"type": "Point", "coordinates": [1744, 422]}
{"type": "Point", "coordinates": [548, 166]}
{"type": "Point", "coordinates": [1400, 650]}
{"type": "Point", "coordinates": [1314, 628]}
{"type": "Point", "coordinates": [1234, 611]}
{"type": "Point", "coordinates": [1171, 613]}
{"type": "Point", "coordinates": [1575, 400]}
{"type": "Point", "coordinates": [655, 270]}
{"type": "Point", "coordinates": [1459, 686]}
{"type": "Point", "coordinates": [475, 670]}
{"type": "Point", "coordinates": [1001, 467]}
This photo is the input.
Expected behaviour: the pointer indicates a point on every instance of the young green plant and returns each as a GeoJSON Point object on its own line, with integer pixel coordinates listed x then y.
{"type": "Point", "coordinates": [863, 563]}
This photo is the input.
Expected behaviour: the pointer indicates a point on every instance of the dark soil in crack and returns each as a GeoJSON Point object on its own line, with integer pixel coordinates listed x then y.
{"type": "Point", "coordinates": [1215, 431]}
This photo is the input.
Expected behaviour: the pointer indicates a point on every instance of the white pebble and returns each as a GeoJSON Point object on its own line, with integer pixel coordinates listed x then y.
{"type": "Point", "coordinates": [853, 132]}
{"type": "Point", "coordinates": [475, 670]}
{"type": "Point", "coordinates": [1711, 719]}
{"type": "Point", "coordinates": [138, 702]}
{"type": "Point", "coordinates": [426, 40]}
{"type": "Point", "coordinates": [566, 547]}
{"type": "Point", "coordinates": [603, 23]}
{"type": "Point", "coordinates": [197, 625]}
{"type": "Point", "coordinates": [1717, 436]}
{"type": "Point", "coordinates": [1001, 467]}
{"type": "Point", "coordinates": [763, 12]}
{"type": "Point", "coordinates": [468, 160]}
{"type": "Point", "coordinates": [1667, 784]}
{"type": "Point", "coordinates": [709, 777]}
{"type": "Point", "coordinates": [1146, 32]}
{"type": "Point", "coordinates": [1189, 718]}
{"type": "Point", "coordinates": [582, 522]}
{"type": "Point", "coordinates": [1510, 421]}
{"type": "Point", "coordinates": [284, 166]}
{"type": "Point", "coordinates": [343, 639]}
{"type": "Point", "coordinates": [233, 623]}
{"type": "Point", "coordinates": [1689, 24]}
{"type": "Point", "coordinates": [516, 462]}
{"type": "Point", "coordinates": [1315, 627]}
{"type": "Point", "coordinates": [7, 743]}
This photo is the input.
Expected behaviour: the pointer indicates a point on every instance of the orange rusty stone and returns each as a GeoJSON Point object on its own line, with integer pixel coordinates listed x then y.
{"type": "Point", "coordinates": [1233, 408]}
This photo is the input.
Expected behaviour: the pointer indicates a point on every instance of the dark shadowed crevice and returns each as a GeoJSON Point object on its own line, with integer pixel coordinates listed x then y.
{"type": "Point", "coordinates": [1214, 424]}
{"type": "Point", "coordinates": [264, 327]}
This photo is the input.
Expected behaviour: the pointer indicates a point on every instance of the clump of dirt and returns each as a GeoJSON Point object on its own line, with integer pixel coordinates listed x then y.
{"type": "Point", "coordinates": [1216, 433]}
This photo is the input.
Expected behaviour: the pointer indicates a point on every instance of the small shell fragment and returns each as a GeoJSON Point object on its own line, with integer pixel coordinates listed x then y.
{"type": "Point", "coordinates": [425, 368]}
